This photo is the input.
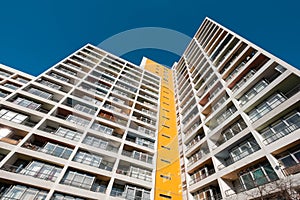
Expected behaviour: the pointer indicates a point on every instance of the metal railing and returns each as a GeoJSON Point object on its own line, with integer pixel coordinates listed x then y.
{"type": "Point", "coordinates": [292, 169]}
{"type": "Point", "coordinates": [92, 187]}
{"type": "Point", "coordinates": [202, 176]}
{"type": "Point", "coordinates": [232, 159]}
{"type": "Point", "coordinates": [286, 130]}
{"type": "Point", "coordinates": [30, 172]}
{"type": "Point", "coordinates": [249, 185]}
{"type": "Point", "coordinates": [134, 175]}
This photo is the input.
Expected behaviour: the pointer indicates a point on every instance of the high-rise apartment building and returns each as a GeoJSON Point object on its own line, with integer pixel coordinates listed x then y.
{"type": "Point", "coordinates": [222, 123]}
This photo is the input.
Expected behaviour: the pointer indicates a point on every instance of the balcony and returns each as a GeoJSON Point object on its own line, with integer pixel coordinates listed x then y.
{"type": "Point", "coordinates": [197, 156]}
{"type": "Point", "coordinates": [94, 160]}
{"type": "Point", "coordinates": [256, 89]}
{"type": "Point", "coordinates": [201, 174]}
{"type": "Point", "coordinates": [99, 143]}
{"type": "Point", "coordinates": [35, 169]}
{"type": "Point", "coordinates": [84, 181]}
{"type": "Point", "coordinates": [195, 141]}
{"type": "Point", "coordinates": [138, 156]}
{"type": "Point", "coordinates": [63, 132]}
{"type": "Point", "coordinates": [113, 118]}
{"type": "Point", "coordinates": [253, 177]}
{"type": "Point", "coordinates": [192, 129]}
{"type": "Point", "coordinates": [130, 192]}
{"type": "Point", "coordinates": [135, 172]}
{"type": "Point", "coordinates": [21, 192]}
{"type": "Point", "coordinates": [51, 149]}
{"type": "Point", "coordinates": [230, 132]}
{"type": "Point", "coordinates": [239, 152]}
{"type": "Point", "coordinates": [145, 142]}
{"type": "Point", "coordinates": [265, 107]}
{"type": "Point", "coordinates": [292, 169]}
{"type": "Point", "coordinates": [281, 128]}
{"type": "Point", "coordinates": [244, 80]}
{"type": "Point", "coordinates": [215, 122]}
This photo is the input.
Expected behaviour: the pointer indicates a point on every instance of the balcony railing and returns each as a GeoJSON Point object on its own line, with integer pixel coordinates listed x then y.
{"type": "Point", "coordinates": [292, 169]}
{"type": "Point", "coordinates": [249, 185]}
{"type": "Point", "coordinates": [193, 142]}
{"type": "Point", "coordinates": [48, 175]}
{"type": "Point", "coordinates": [232, 159]}
{"type": "Point", "coordinates": [271, 136]}
{"type": "Point", "coordinates": [197, 156]}
{"type": "Point", "coordinates": [139, 175]}
{"type": "Point", "coordinates": [202, 176]}
{"type": "Point", "coordinates": [94, 187]}
{"type": "Point", "coordinates": [138, 156]}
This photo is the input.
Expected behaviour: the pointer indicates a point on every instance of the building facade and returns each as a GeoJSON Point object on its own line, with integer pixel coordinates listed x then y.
{"type": "Point", "coordinates": [238, 111]}
{"type": "Point", "coordinates": [222, 123]}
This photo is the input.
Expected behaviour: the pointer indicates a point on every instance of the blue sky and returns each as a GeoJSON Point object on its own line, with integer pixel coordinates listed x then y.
{"type": "Point", "coordinates": [37, 34]}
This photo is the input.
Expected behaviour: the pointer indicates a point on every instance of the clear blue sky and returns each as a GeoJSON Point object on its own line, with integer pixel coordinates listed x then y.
{"type": "Point", "coordinates": [37, 34]}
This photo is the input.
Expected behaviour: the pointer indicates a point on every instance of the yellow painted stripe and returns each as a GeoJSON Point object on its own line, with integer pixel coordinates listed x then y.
{"type": "Point", "coordinates": [168, 178]}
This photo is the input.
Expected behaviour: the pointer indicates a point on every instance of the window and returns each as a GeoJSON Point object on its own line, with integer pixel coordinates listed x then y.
{"type": "Point", "coordinates": [11, 86]}
{"type": "Point", "coordinates": [95, 142]}
{"type": "Point", "coordinates": [243, 150]}
{"type": "Point", "coordinates": [21, 192]}
{"type": "Point", "coordinates": [166, 161]}
{"type": "Point", "coordinates": [253, 91]}
{"type": "Point", "coordinates": [142, 157]}
{"type": "Point", "coordinates": [259, 176]}
{"type": "Point", "coordinates": [90, 99]}
{"type": "Point", "coordinates": [165, 126]}
{"type": "Point", "coordinates": [50, 84]}
{"type": "Point", "coordinates": [78, 120]}
{"type": "Point", "coordinates": [56, 150]}
{"type": "Point", "coordinates": [165, 147]}
{"type": "Point", "coordinates": [3, 94]}
{"type": "Point", "coordinates": [40, 93]}
{"type": "Point", "coordinates": [144, 142]}
{"type": "Point", "coordinates": [281, 128]}
{"type": "Point", "coordinates": [57, 196]}
{"type": "Point", "coordinates": [265, 107]}
{"type": "Point", "coordinates": [140, 174]}
{"type": "Point", "coordinates": [136, 193]}
{"type": "Point", "coordinates": [165, 177]}
{"type": "Point", "coordinates": [78, 180]}
{"type": "Point", "coordinates": [42, 171]}
{"type": "Point", "coordinates": [165, 110]}
{"type": "Point", "coordinates": [64, 79]}
{"type": "Point", "coordinates": [22, 80]}
{"type": "Point", "coordinates": [167, 118]}
{"type": "Point", "coordinates": [67, 133]}
{"type": "Point", "coordinates": [12, 116]}
{"type": "Point", "coordinates": [101, 128]}
{"type": "Point", "coordinates": [88, 159]}
{"type": "Point", "coordinates": [27, 103]}
{"type": "Point", "coordinates": [85, 109]}
{"type": "Point", "coordinates": [165, 196]}
{"type": "Point", "coordinates": [291, 159]}
{"type": "Point", "coordinates": [4, 73]}
{"type": "Point", "coordinates": [166, 136]}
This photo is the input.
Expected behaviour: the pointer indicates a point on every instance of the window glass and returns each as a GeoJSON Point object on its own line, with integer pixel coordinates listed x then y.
{"type": "Point", "coordinates": [288, 161]}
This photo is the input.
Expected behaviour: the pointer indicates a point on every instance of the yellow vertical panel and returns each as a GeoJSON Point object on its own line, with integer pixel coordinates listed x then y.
{"type": "Point", "coordinates": [167, 126]}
